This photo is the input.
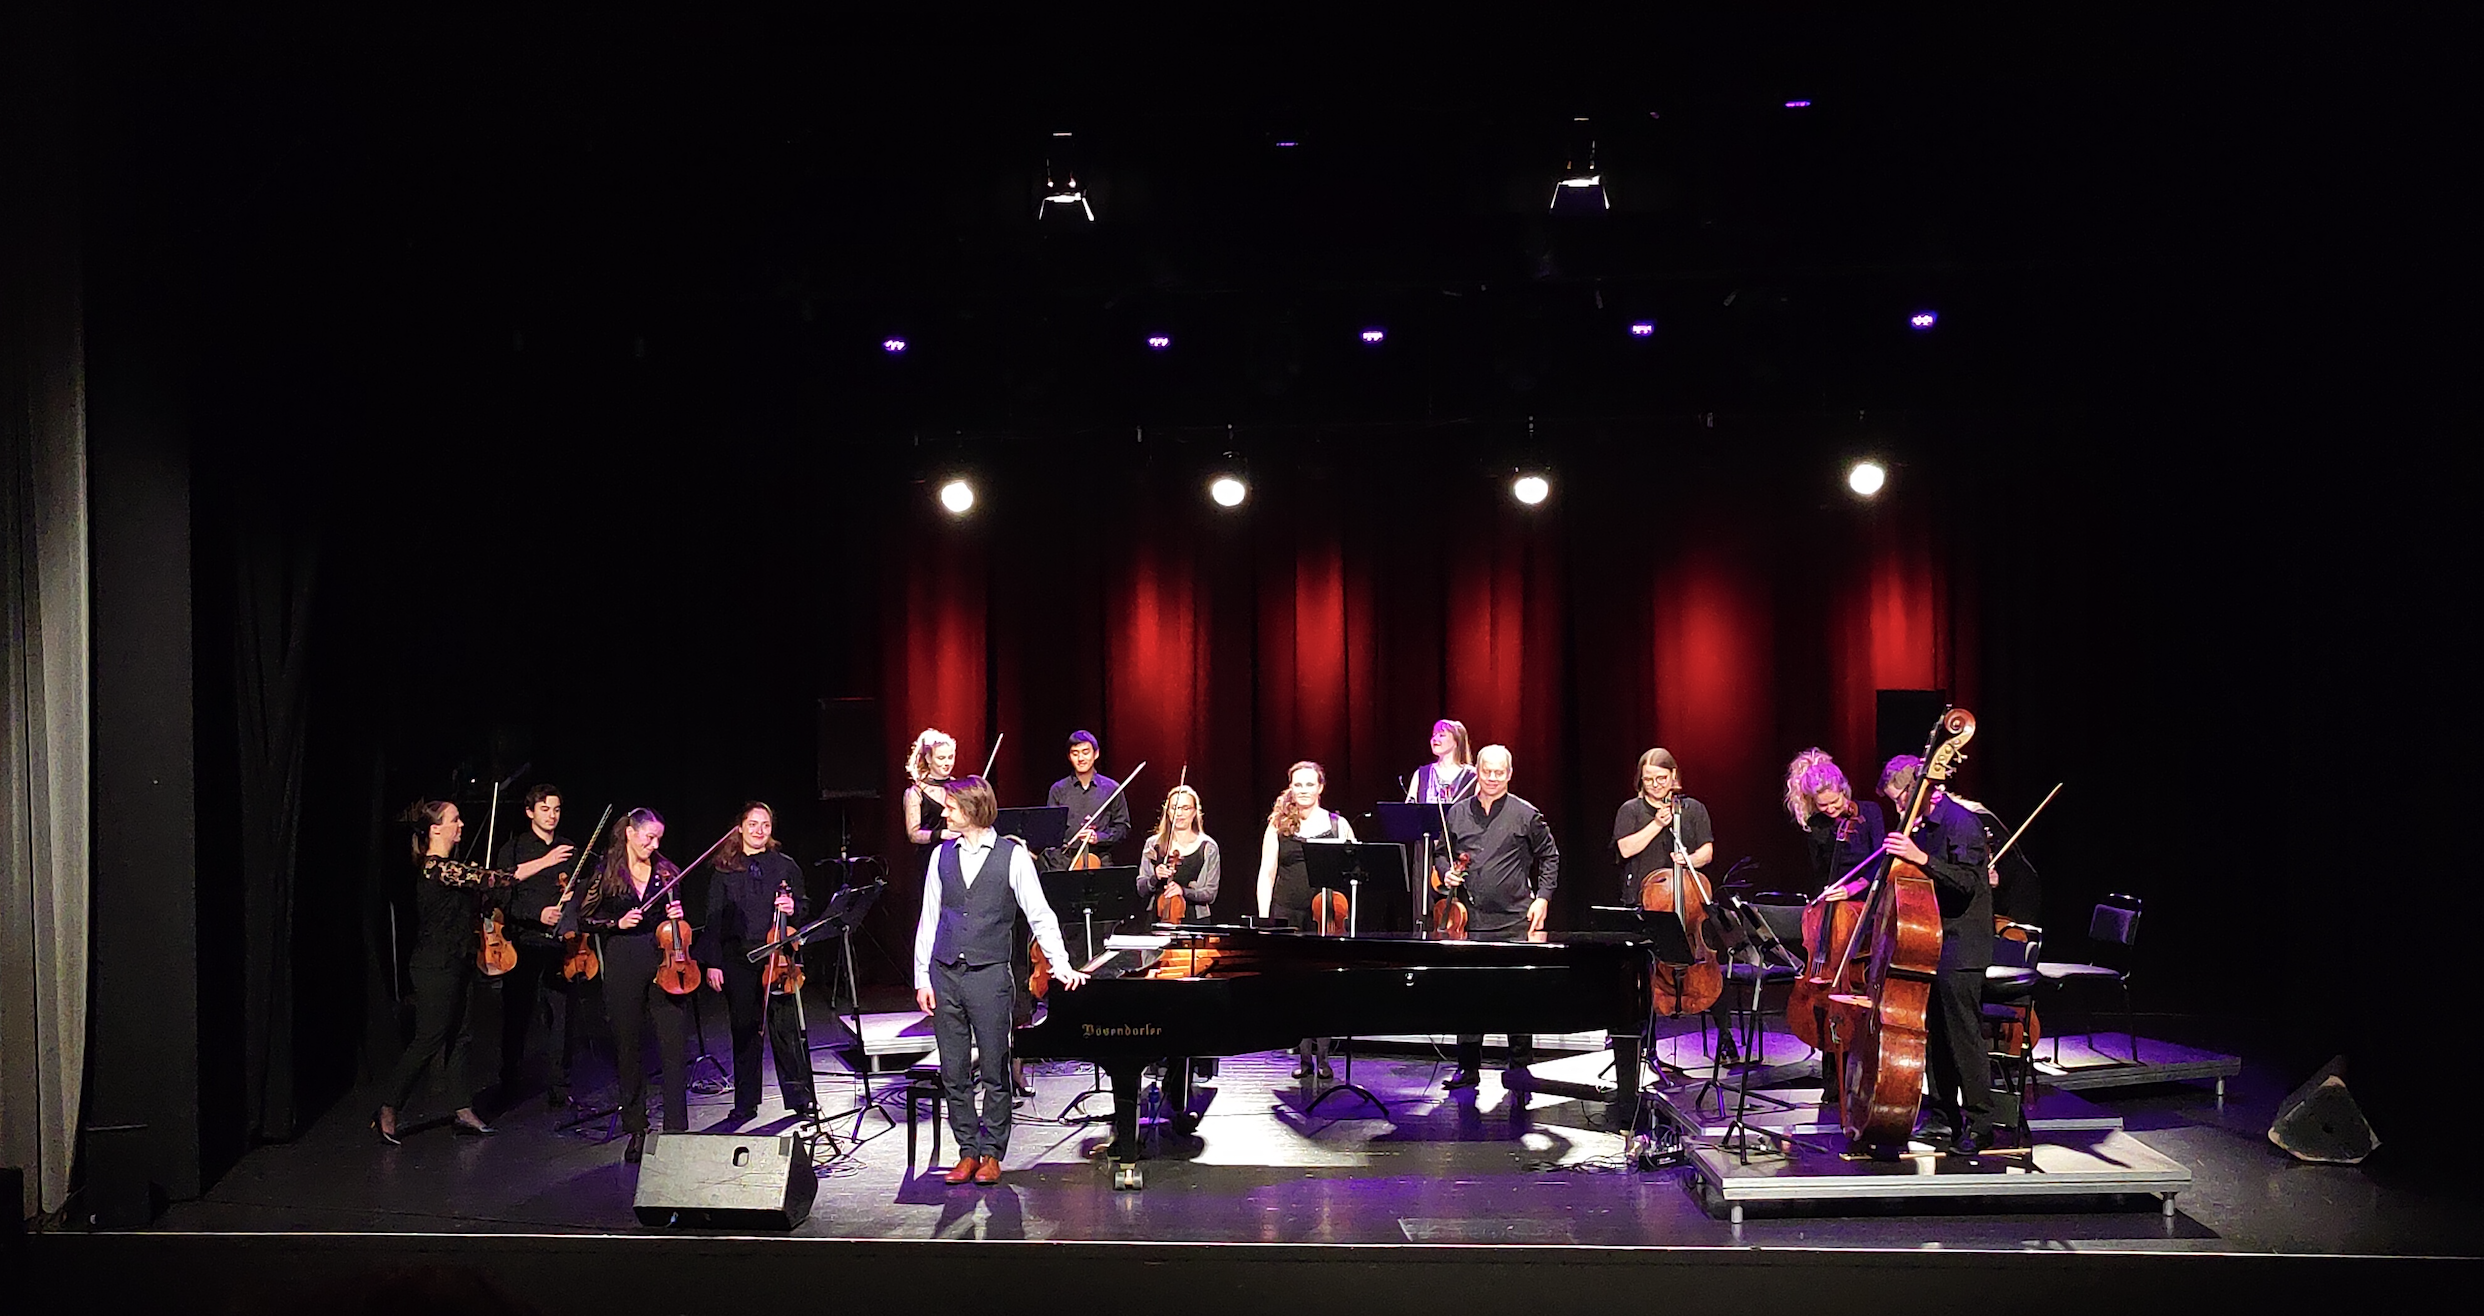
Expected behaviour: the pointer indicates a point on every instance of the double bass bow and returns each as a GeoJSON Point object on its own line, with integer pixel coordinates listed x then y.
{"type": "Point", "coordinates": [1877, 1027]}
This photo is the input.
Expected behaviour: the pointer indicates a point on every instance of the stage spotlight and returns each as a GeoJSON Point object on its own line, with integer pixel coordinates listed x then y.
{"type": "Point", "coordinates": [1866, 478]}
{"type": "Point", "coordinates": [1375, 336]}
{"type": "Point", "coordinates": [1530, 489]}
{"type": "Point", "coordinates": [958, 496]}
{"type": "Point", "coordinates": [893, 345]}
{"type": "Point", "coordinates": [1922, 320]}
{"type": "Point", "coordinates": [1159, 342]}
{"type": "Point", "coordinates": [1798, 105]}
{"type": "Point", "coordinates": [1228, 491]}
{"type": "Point", "coordinates": [1643, 328]}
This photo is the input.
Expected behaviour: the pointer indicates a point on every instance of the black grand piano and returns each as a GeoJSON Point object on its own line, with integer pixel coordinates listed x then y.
{"type": "Point", "coordinates": [1222, 991]}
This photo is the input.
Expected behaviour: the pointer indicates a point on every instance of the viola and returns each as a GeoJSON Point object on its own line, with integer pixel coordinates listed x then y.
{"type": "Point", "coordinates": [1449, 900]}
{"type": "Point", "coordinates": [782, 971]}
{"type": "Point", "coordinates": [1329, 912]}
{"type": "Point", "coordinates": [678, 974]}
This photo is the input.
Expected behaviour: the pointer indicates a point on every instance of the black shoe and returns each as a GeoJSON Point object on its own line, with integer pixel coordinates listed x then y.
{"type": "Point", "coordinates": [741, 1114]}
{"type": "Point", "coordinates": [1976, 1138]}
{"type": "Point", "coordinates": [1302, 1067]}
{"type": "Point", "coordinates": [1939, 1133]}
{"type": "Point", "coordinates": [385, 1136]}
{"type": "Point", "coordinates": [636, 1148]}
{"type": "Point", "coordinates": [1462, 1078]}
{"type": "Point", "coordinates": [557, 1099]}
{"type": "Point", "coordinates": [474, 1127]}
{"type": "Point", "coordinates": [1516, 1076]}
{"type": "Point", "coordinates": [1326, 1074]}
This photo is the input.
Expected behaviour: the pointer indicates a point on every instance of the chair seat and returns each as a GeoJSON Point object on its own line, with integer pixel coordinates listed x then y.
{"type": "Point", "coordinates": [2001, 1014]}
{"type": "Point", "coordinates": [2002, 983]}
{"type": "Point", "coordinates": [2063, 972]}
{"type": "Point", "coordinates": [1743, 973]}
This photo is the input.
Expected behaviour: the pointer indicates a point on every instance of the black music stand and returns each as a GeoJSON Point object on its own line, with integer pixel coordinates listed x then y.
{"type": "Point", "coordinates": [843, 914]}
{"type": "Point", "coordinates": [1373, 875]}
{"type": "Point", "coordinates": [1407, 824]}
{"type": "Point", "coordinates": [1109, 892]}
{"type": "Point", "coordinates": [1039, 828]}
{"type": "Point", "coordinates": [1667, 942]}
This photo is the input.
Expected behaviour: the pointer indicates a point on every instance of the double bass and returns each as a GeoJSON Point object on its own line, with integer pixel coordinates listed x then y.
{"type": "Point", "coordinates": [1875, 1030]}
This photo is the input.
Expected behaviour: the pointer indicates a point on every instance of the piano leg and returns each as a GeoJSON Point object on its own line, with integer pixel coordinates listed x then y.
{"type": "Point", "coordinates": [1124, 1150]}
{"type": "Point", "coordinates": [1625, 1074]}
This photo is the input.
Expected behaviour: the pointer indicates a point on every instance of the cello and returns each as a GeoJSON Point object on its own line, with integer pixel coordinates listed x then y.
{"type": "Point", "coordinates": [1876, 1028]}
{"type": "Point", "coordinates": [1683, 892]}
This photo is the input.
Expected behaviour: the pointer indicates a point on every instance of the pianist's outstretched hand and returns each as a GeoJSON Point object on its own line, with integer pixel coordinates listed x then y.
{"type": "Point", "coordinates": [1070, 978]}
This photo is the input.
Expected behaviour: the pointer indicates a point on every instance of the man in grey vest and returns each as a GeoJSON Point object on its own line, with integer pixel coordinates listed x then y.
{"type": "Point", "coordinates": [976, 884]}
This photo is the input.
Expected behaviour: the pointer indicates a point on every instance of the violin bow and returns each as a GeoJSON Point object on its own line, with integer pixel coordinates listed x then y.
{"type": "Point", "coordinates": [1081, 851]}
{"type": "Point", "coordinates": [2022, 827]}
{"type": "Point", "coordinates": [679, 873]}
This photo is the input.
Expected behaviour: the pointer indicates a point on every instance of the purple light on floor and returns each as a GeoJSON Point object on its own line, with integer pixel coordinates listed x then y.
{"type": "Point", "coordinates": [1375, 335]}
{"type": "Point", "coordinates": [1923, 320]}
{"type": "Point", "coordinates": [1643, 328]}
{"type": "Point", "coordinates": [1798, 105]}
{"type": "Point", "coordinates": [1159, 342]}
{"type": "Point", "coordinates": [892, 346]}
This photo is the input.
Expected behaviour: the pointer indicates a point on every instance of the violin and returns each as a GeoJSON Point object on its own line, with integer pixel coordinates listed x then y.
{"type": "Point", "coordinates": [1171, 905]}
{"type": "Point", "coordinates": [1329, 911]}
{"type": "Point", "coordinates": [677, 973]}
{"type": "Point", "coordinates": [579, 962]}
{"type": "Point", "coordinates": [497, 954]}
{"type": "Point", "coordinates": [1449, 907]}
{"type": "Point", "coordinates": [782, 974]}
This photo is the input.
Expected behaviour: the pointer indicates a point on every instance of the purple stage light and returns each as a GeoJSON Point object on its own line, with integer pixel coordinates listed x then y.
{"type": "Point", "coordinates": [1159, 342]}
{"type": "Point", "coordinates": [1643, 328]}
{"type": "Point", "coordinates": [1285, 143]}
{"type": "Point", "coordinates": [1375, 335]}
{"type": "Point", "coordinates": [892, 345]}
{"type": "Point", "coordinates": [1798, 105]}
{"type": "Point", "coordinates": [1923, 320]}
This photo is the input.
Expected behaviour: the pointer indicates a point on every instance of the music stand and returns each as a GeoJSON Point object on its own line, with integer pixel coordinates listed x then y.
{"type": "Point", "coordinates": [1111, 892]}
{"type": "Point", "coordinates": [1365, 870]}
{"type": "Point", "coordinates": [844, 913]}
{"type": "Point", "coordinates": [1039, 828]}
{"type": "Point", "coordinates": [1407, 824]}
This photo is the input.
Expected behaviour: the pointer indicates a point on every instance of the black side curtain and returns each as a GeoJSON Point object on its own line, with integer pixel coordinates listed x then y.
{"type": "Point", "coordinates": [276, 566]}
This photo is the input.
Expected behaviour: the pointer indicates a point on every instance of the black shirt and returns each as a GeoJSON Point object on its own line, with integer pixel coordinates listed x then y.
{"type": "Point", "coordinates": [1831, 858]}
{"type": "Point", "coordinates": [1513, 859]}
{"type": "Point", "coordinates": [448, 911]}
{"type": "Point", "coordinates": [1953, 844]}
{"type": "Point", "coordinates": [531, 896]}
{"type": "Point", "coordinates": [594, 912]}
{"type": "Point", "coordinates": [1690, 819]}
{"type": "Point", "coordinates": [1081, 801]}
{"type": "Point", "coordinates": [741, 905]}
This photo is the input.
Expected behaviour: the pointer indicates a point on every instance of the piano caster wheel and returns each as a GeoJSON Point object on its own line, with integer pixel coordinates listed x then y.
{"type": "Point", "coordinates": [1127, 1177]}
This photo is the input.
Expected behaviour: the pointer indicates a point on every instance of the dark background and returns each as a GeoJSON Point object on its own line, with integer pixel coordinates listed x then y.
{"type": "Point", "coordinates": [522, 386]}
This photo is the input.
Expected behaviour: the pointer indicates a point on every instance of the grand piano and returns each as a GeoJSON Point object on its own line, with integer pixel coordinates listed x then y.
{"type": "Point", "coordinates": [1222, 991]}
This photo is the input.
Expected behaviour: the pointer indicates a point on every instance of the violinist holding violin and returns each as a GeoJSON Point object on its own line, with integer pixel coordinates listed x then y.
{"type": "Point", "coordinates": [538, 856]}
{"type": "Point", "coordinates": [753, 883]}
{"type": "Point", "coordinates": [614, 906]}
{"type": "Point", "coordinates": [1511, 868]}
{"type": "Point", "coordinates": [1948, 845]}
{"type": "Point", "coordinates": [1084, 792]}
{"type": "Point", "coordinates": [1843, 830]}
{"type": "Point", "coordinates": [447, 925]}
{"type": "Point", "coordinates": [1180, 857]}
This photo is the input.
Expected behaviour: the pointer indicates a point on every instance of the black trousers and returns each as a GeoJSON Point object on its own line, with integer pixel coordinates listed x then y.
{"type": "Point", "coordinates": [973, 1012]}
{"type": "Point", "coordinates": [743, 992]}
{"type": "Point", "coordinates": [631, 1000]}
{"type": "Point", "coordinates": [526, 991]}
{"type": "Point", "coordinates": [441, 993]}
{"type": "Point", "coordinates": [1521, 1045]}
{"type": "Point", "coordinates": [1961, 1071]}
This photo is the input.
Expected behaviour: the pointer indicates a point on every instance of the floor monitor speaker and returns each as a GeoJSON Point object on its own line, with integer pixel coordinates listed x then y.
{"type": "Point", "coordinates": [725, 1181]}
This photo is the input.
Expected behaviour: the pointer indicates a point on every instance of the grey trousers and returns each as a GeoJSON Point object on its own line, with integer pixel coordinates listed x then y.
{"type": "Point", "coordinates": [973, 1011]}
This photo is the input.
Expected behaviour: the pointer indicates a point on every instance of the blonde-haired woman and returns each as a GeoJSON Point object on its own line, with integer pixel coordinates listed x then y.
{"type": "Point", "coordinates": [1181, 854]}
{"type": "Point", "coordinates": [929, 766]}
{"type": "Point", "coordinates": [1844, 831]}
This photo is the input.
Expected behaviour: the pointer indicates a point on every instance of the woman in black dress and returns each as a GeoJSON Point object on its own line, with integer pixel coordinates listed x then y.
{"type": "Point", "coordinates": [448, 925]}
{"type": "Point", "coordinates": [1285, 871]}
{"type": "Point", "coordinates": [614, 908]}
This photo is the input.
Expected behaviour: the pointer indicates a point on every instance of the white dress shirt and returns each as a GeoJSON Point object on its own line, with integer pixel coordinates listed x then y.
{"type": "Point", "coordinates": [972, 849]}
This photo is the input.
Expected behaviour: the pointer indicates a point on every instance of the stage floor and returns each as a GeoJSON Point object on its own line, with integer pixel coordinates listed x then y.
{"type": "Point", "coordinates": [1482, 1167]}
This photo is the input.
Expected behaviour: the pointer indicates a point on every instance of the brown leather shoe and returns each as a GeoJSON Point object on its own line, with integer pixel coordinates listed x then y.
{"type": "Point", "coordinates": [988, 1173]}
{"type": "Point", "coordinates": [960, 1172]}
